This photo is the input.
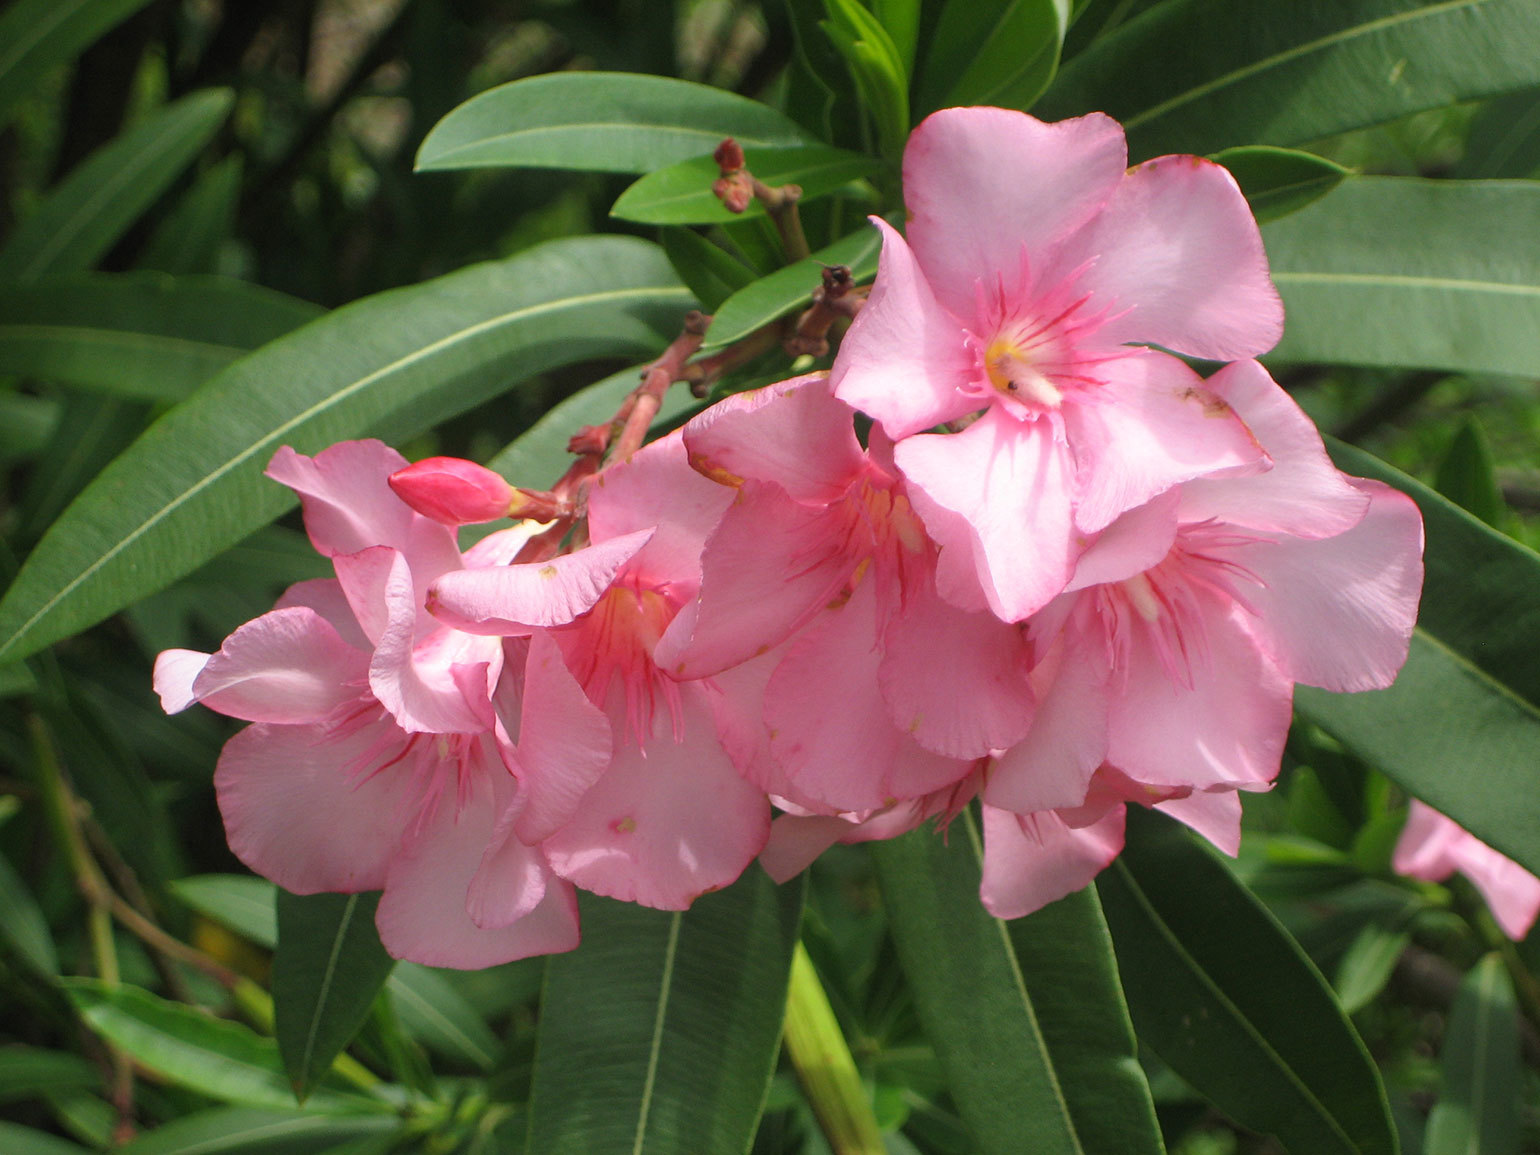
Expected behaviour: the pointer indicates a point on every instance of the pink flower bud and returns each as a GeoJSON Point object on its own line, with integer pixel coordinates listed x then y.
{"type": "Point", "coordinates": [453, 491]}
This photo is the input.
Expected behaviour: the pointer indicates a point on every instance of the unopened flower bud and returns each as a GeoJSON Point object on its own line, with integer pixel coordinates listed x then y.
{"type": "Point", "coordinates": [453, 491]}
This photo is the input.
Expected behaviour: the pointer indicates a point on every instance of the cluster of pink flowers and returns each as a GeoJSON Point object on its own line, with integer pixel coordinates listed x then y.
{"type": "Point", "coordinates": [1060, 573]}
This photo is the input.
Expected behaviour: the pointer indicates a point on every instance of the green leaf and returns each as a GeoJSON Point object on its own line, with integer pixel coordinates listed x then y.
{"type": "Point", "coordinates": [22, 925]}
{"type": "Point", "coordinates": [32, 1072]}
{"type": "Point", "coordinates": [190, 237]}
{"type": "Point", "coordinates": [1368, 963]}
{"type": "Point", "coordinates": [784, 290]}
{"type": "Point", "coordinates": [1229, 1001]}
{"type": "Point", "coordinates": [390, 365]}
{"type": "Point", "coordinates": [900, 19]}
{"type": "Point", "coordinates": [91, 208]}
{"type": "Point", "coordinates": [1478, 1113]}
{"type": "Point", "coordinates": [18, 1140]}
{"type": "Point", "coordinates": [681, 193]}
{"type": "Point", "coordinates": [240, 903]}
{"type": "Point", "coordinates": [1279, 181]}
{"type": "Point", "coordinates": [710, 272]}
{"type": "Point", "coordinates": [37, 36]}
{"type": "Point", "coordinates": [1000, 52]}
{"type": "Point", "coordinates": [877, 68]}
{"type": "Point", "coordinates": [250, 1131]}
{"type": "Point", "coordinates": [659, 1033]}
{"type": "Point", "coordinates": [1197, 76]}
{"type": "Point", "coordinates": [1504, 139]}
{"type": "Point", "coordinates": [1468, 475]}
{"type": "Point", "coordinates": [1419, 274]}
{"type": "Point", "coordinates": [432, 1011]}
{"type": "Point", "coordinates": [145, 336]}
{"type": "Point", "coordinates": [1025, 1016]}
{"type": "Point", "coordinates": [326, 972]}
{"type": "Point", "coordinates": [221, 1059]}
{"type": "Point", "coordinates": [1469, 694]}
{"type": "Point", "coordinates": [599, 122]}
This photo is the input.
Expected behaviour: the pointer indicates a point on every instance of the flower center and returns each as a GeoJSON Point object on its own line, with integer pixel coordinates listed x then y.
{"type": "Point", "coordinates": [1012, 372]}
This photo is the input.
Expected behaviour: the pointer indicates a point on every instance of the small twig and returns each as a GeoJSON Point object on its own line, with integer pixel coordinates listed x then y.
{"type": "Point", "coordinates": [629, 429]}
{"type": "Point", "coordinates": [836, 299]}
{"type": "Point", "coordinates": [703, 374]}
{"type": "Point", "coordinates": [737, 186]}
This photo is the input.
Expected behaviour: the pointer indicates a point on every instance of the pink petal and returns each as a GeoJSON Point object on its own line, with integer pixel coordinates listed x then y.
{"type": "Point", "coordinates": [564, 741]}
{"type": "Point", "coordinates": [657, 492]}
{"type": "Point", "coordinates": [984, 702]}
{"type": "Point", "coordinates": [666, 824]}
{"type": "Point", "coordinates": [301, 808]}
{"type": "Point", "coordinates": [1432, 847]}
{"type": "Point", "coordinates": [831, 730]}
{"type": "Point", "coordinates": [985, 185]}
{"type": "Point", "coordinates": [326, 597]}
{"type": "Point", "coordinates": [175, 673]}
{"type": "Point", "coordinates": [1338, 613]}
{"type": "Point", "coordinates": [1303, 493]}
{"type": "Point", "coordinates": [1226, 730]}
{"type": "Point", "coordinates": [1177, 254]}
{"type": "Point", "coordinates": [364, 578]}
{"type": "Point", "coordinates": [794, 433]}
{"type": "Point", "coordinates": [1151, 426]}
{"type": "Point", "coordinates": [423, 915]}
{"type": "Point", "coordinates": [287, 666]}
{"type": "Point", "coordinates": [1032, 860]}
{"type": "Point", "coordinates": [1427, 846]}
{"type": "Point", "coordinates": [905, 357]}
{"type": "Point", "coordinates": [502, 547]}
{"type": "Point", "coordinates": [514, 599]}
{"type": "Point", "coordinates": [511, 880]}
{"type": "Point", "coordinates": [770, 566]}
{"type": "Point", "coordinates": [1215, 814]}
{"type": "Point", "coordinates": [1010, 480]}
{"type": "Point", "coordinates": [1052, 766]}
{"type": "Point", "coordinates": [349, 505]}
{"type": "Point", "coordinates": [796, 840]}
{"type": "Point", "coordinates": [1138, 540]}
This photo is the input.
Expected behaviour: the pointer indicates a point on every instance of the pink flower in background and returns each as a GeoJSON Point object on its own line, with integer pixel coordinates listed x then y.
{"type": "Point", "coordinates": [1432, 847]}
{"type": "Point", "coordinates": [1033, 260]}
{"type": "Point", "coordinates": [375, 761]}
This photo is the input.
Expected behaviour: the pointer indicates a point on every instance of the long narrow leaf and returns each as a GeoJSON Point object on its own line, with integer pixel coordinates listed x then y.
{"type": "Point", "coordinates": [1478, 1112]}
{"type": "Point", "coordinates": [37, 36]}
{"type": "Point", "coordinates": [659, 1034]}
{"type": "Point", "coordinates": [681, 193]}
{"type": "Point", "coordinates": [1026, 1017]}
{"type": "Point", "coordinates": [1224, 996]}
{"type": "Point", "coordinates": [390, 365]}
{"type": "Point", "coordinates": [1198, 76]}
{"type": "Point", "coordinates": [252, 1131]}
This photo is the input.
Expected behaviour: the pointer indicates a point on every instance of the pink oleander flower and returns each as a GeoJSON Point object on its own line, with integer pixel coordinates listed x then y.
{"type": "Point", "coordinates": [1432, 847]}
{"type": "Point", "coordinates": [821, 565]}
{"type": "Point", "coordinates": [375, 760]}
{"type": "Point", "coordinates": [634, 796]}
{"type": "Point", "coordinates": [1035, 272]}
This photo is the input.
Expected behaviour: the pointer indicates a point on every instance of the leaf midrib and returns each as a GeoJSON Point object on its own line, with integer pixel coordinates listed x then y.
{"type": "Point", "coordinates": [665, 989]}
{"type": "Point", "coordinates": [314, 1029]}
{"type": "Point", "coordinates": [1404, 280]}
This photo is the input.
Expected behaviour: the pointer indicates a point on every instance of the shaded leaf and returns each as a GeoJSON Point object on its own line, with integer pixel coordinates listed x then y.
{"type": "Point", "coordinates": [790, 288]}
{"type": "Point", "coordinates": [32, 1072]}
{"type": "Point", "coordinates": [1025, 1016]}
{"type": "Point", "coordinates": [433, 1012]}
{"type": "Point", "coordinates": [91, 208]}
{"type": "Point", "coordinates": [37, 36]}
{"type": "Point", "coordinates": [1000, 52]}
{"type": "Point", "coordinates": [876, 66]}
{"type": "Point", "coordinates": [681, 193]}
{"type": "Point", "coordinates": [1229, 1001]}
{"type": "Point", "coordinates": [327, 969]}
{"type": "Point", "coordinates": [1279, 181]}
{"type": "Point", "coordinates": [710, 272]}
{"type": "Point", "coordinates": [1478, 1112]}
{"type": "Point", "coordinates": [1368, 963]}
{"type": "Point", "coordinates": [23, 927]}
{"type": "Point", "coordinates": [241, 903]}
{"type": "Point", "coordinates": [18, 1140]}
{"type": "Point", "coordinates": [1414, 273]}
{"type": "Point", "coordinates": [189, 239]}
{"type": "Point", "coordinates": [221, 1059]}
{"type": "Point", "coordinates": [1504, 139]}
{"type": "Point", "coordinates": [678, 1052]}
{"type": "Point", "coordinates": [600, 122]}
{"type": "Point", "coordinates": [1199, 75]}
{"type": "Point", "coordinates": [144, 336]}
{"type": "Point", "coordinates": [250, 1131]}
{"type": "Point", "coordinates": [389, 365]}
{"type": "Point", "coordinates": [1468, 475]}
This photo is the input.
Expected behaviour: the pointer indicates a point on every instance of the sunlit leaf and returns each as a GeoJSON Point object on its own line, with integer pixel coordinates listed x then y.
{"type": "Point", "coordinates": [681, 193]}
{"type": "Point", "coordinates": [1479, 1108]}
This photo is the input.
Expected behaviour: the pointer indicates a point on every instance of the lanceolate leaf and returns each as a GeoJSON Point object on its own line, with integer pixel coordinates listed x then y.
{"type": "Point", "coordinates": [1504, 139]}
{"type": "Point", "coordinates": [221, 1059]}
{"type": "Point", "coordinates": [140, 335]}
{"type": "Point", "coordinates": [601, 122]}
{"type": "Point", "coordinates": [252, 1131]}
{"type": "Point", "coordinates": [1026, 1017]}
{"type": "Point", "coordinates": [18, 1140]}
{"type": "Point", "coordinates": [1279, 181]}
{"type": "Point", "coordinates": [1197, 76]}
{"type": "Point", "coordinates": [1478, 1111]}
{"type": "Point", "coordinates": [23, 929]}
{"type": "Point", "coordinates": [328, 967]}
{"type": "Point", "coordinates": [390, 364]}
{"type": "Point", "coordinates": [786, 289]}
{"type": "Point", "coordinates": [1469, 694]}
{"type": "Point", "coordinates": [239, 902]}
{"type": "Point", "coordinates": [712, 273]}
{"type": "Point", "coordinates": [681, 194]}
{"type": "Point", "coordinates": [37, 36]}
{"type": "Point", "coordinates": [1414, 273]}
{"type": "Point", "coordinates": [659, 1034]}
{"type": "Point", "coordinates": [1229, 1001]}
{"type": "Point", "coordinates": [1001, 52]}
{"type": "Point", "coordinates": [1468, 475]}
{"type": "Point", "coordinates": [82, 218]}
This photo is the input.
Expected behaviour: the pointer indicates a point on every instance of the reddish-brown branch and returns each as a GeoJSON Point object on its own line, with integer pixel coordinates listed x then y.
{"type": "Point", "coordinates": [737, 186]}
{"type": "Point", "coordinates": [629, 429]}
{"type": "Point", "coordinates": [837, 299]}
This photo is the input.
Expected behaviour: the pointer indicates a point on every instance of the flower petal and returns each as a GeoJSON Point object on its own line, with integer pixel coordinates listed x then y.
{"type": "Point", "coordinates": [1178, 255]}
{"type": "Point", "coordinates": [985, 185]}
{"type": "Point", "coordinates": [175, 673]}
{"type": "Point", "coordinates": [564, 741]}
{"type": "Point", "coordinates": [287, 666]}
{"type": "Point", "coordinates": [1032, 860]}
{"type": "Point", "coordinates": [905, 358]}
{"type": "Point", "coordinates": [1215, 814]}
